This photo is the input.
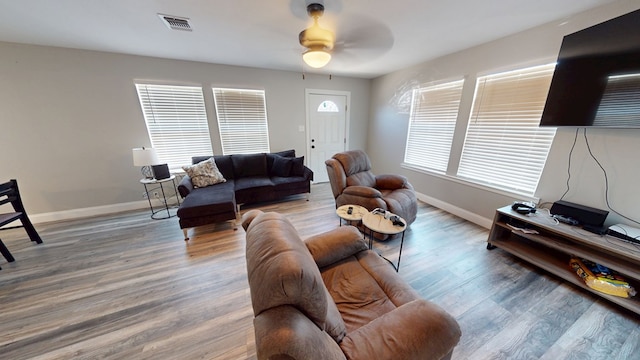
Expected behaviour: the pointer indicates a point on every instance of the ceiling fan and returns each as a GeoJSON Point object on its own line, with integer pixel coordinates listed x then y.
{"type": "Point", "coordinates": [361, 38]}
{"type": "Point", "coordinates": [318, 41]}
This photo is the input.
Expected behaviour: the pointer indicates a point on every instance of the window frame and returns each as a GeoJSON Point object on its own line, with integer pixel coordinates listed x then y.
{"type": "Point", "coordinates": [183, 130]}
{"type": "Point", "coordinates": [431, 128]}
{"type": "Point", "coordinates": [242, 120]}
{"type": "Point", "coordinates": [504, 147]}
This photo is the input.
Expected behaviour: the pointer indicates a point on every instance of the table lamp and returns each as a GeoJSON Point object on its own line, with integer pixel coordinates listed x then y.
{"type": "Point", "coordinates": [145, 157]}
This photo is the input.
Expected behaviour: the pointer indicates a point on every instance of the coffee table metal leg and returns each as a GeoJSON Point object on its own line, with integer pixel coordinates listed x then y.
{"type": "Point", "coordinates": [396, 267]}
{"type": "Point", "coordinates": [400, 254]}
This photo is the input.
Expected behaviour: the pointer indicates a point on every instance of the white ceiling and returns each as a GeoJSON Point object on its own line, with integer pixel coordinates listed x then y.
{"type": "Point", "coordinates": [374, 37]}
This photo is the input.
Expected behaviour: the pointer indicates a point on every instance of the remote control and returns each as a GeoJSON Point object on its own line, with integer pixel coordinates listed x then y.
{"type": "Point", "coordinates": [566, 219]}
{"type": "Point", "coordinates": [350, 210]}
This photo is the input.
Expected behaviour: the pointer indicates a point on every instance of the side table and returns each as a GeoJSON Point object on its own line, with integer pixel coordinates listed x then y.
{"type": "Point", "coordinates": [161, 183]}
{"type": "Point", "coordinates": [356, 213]}
{"type": "Point", "coordinates": [378, 223]}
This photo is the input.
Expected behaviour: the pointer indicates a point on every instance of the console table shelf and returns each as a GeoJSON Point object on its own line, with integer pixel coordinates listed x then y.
{"type": "Point", "coordinates": [555, 244]}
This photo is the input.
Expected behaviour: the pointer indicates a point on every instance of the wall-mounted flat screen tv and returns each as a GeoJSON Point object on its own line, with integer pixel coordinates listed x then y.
{"type": "Point", "coordinates": [597, 77]}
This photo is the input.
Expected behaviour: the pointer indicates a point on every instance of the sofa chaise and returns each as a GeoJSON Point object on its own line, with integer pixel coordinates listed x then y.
{"type": "Point", "coordinates": [329, 297]}
{"type": "Point", "coordinates": [248, 178]}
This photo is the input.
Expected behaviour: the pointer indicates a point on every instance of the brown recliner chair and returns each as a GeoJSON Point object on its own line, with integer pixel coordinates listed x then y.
{"type": "Point", "coordinates": [352, 182]}
{"type": "Point", "coordinates": [331, 298]}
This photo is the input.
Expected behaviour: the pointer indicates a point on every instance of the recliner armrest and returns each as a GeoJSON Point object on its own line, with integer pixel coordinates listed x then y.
{"type": "Point", "coordinates": [362, 191]}
{"type": "Point", "coordinates": [284, 332]}
{"type": "Point", "coordinates": [416, 330]}
{"type": "Point", "coordinates": [392, 182]}
{"type": "Point", "coordinates": [335, 245]}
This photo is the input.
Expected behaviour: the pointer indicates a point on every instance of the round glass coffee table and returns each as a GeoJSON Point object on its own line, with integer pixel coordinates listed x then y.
{"type": "Point", "coordinates": [356, 214]}
{"type": "Point", "coordinates": [378, 223]}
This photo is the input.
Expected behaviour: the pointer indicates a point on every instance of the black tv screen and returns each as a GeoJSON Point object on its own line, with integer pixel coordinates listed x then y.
{"type": "Point", "coordinates": [597, 77]}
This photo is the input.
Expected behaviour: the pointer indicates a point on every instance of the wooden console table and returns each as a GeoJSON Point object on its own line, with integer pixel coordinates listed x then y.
{"type": "Point", "coordinates": [554, 245]}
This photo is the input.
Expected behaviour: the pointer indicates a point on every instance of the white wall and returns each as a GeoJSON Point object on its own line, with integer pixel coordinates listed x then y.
{"type": "Point", "coordinates": [71, 117]}
{"type": "Point", "coordinates": [615, 149]}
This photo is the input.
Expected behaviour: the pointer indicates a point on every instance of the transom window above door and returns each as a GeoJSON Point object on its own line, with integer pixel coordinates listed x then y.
{"type": "Point", "coordinates": [328, 106]}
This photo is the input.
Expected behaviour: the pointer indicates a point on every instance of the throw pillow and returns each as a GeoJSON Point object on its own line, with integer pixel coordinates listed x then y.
{"type": "Point", "coordinates": [281, 166]}
{"type": "Point", "coordinates": [204, 173]}
{"type": "Point", "coordinates": [297, 168]}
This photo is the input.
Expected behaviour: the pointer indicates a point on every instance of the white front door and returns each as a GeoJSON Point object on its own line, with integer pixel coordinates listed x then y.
{"type": "Point", "coordinates": [327, 115]}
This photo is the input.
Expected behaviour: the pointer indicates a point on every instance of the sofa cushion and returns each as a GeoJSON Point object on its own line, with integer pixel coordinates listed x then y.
{"type": "Point", "coordinates": [253, 182]}
{"type": "Point", "coordinates": [253, 188]}
{"type": "Point", "coordinates": [210, 200]}
{"type": "Point", "coordinates": [249, 165]}
{"type": "Point", "coordinates": [360, 299]}
{"type": "Point", "coordinates": [281, 166]}
{"type": "Point", "coordinates": [204, 173]}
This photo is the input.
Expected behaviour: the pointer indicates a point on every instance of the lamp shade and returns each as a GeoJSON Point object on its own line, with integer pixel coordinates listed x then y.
{"type": "Point", "coordinates": [316, 58]}
{"type": "Point", "coordinates": [145, 156]}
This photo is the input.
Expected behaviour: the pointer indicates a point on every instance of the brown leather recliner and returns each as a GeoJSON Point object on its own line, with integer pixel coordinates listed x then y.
{"type": "Point", "coordinates": [329, 297]}
{"type": "Point", "coordinates": [352, 182]}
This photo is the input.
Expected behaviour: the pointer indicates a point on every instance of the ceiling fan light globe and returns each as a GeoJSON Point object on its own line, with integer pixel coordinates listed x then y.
{"type": "Point", "coordinates": [316, 58]}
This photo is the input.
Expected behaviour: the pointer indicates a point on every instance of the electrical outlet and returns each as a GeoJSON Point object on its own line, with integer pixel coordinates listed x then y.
{"type": "Point", "coordinates": [156, 195]}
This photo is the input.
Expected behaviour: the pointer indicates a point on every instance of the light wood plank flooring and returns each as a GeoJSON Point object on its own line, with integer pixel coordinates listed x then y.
{"type": "Point", "coordinates": [128, 287]}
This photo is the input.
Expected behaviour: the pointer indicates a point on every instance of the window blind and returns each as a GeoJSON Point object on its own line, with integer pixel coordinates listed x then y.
{"type": "Point", "coordinates": [619, 105]}
{"type": "Point", "coordinates": [242, 120]}
{"type": "Point", "coordinates": [176, 121]}
{"type": "Point", "coordinates": [432, 121]}
{"type": "Point", "coordinates": [504, 146]}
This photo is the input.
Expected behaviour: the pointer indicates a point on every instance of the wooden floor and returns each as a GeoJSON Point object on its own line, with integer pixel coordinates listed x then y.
{"type": "Point", "coordinates": [128, 287]}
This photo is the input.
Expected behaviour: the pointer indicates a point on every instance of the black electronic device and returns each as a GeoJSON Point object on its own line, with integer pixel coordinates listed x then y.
{"type": "Point", "coordinates": [584, 215]}
{"type": "Point", "coordinates": [161, 171]}
{"type": "Point", "coordinates": [597, 77]}
{"type": "Point", "coordinates": [523, 207]}
{"type": "Point", "coordinates": [625, 232]}
{"type": "Point", "coordinates": [600, 230]}
{"type": "Point", "coordinates": [566, 219]}
{"type": "Point", "coordinates": [395, 220]}
{"type": "Point", "coordinates": [350, 210]}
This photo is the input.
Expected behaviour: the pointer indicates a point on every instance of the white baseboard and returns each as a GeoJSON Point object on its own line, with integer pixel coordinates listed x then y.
{"type": "Point", "coordinates": [465, 214]}
{"type": "Point", "coordinates": [136, 205]}
{"type": "Point", "coordinates": [90, 211]}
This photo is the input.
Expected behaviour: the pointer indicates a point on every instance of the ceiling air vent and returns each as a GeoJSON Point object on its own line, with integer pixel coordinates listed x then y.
{"type": "Point", "coordinates": [176, 23]}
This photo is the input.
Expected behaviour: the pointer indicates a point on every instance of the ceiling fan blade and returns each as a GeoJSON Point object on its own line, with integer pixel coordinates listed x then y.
{"type": "Point", "coordinates": [362, 38]}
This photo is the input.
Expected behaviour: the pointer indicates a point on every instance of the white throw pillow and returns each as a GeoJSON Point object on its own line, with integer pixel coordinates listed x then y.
{"type": "Point", "coordinates": [204, 173]}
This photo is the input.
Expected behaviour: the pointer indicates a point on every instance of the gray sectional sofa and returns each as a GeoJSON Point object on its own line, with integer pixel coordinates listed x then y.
{"type": "Point", "coordinates": [249, 178]}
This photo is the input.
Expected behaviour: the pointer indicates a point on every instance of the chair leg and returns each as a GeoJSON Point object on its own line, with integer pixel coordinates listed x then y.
{"type": "Point", "coordinates": [5, 252]}
{"type": "Point", "coordinates": [31, 231]}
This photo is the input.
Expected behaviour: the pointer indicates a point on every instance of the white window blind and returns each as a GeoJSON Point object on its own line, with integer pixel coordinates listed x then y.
{"type": "Point", "coordinates": [242, 120]}
{"type": "Point", "coordinates": [504, 146]}
{"type": "Point", "coordinates": [176, 121]}
{"type": "Point", "coordinates": [619, 105]}
{"type": "Point", "coordinates": [432, 121]}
